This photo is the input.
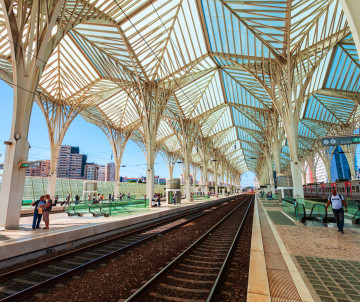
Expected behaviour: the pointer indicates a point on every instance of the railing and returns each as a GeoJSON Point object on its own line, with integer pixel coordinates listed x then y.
{"type": "Point", "coordinates": [95, 209]}
{"type": "Point", "coordinates": [318, 211]}
{"type": "Point", "coordinates": [120, 207]}
{"type": "Point", "coordinates": [294, 209]}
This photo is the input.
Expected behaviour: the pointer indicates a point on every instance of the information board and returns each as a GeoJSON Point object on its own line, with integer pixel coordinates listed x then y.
{"type": "Point", "coordinates": [340, 140]}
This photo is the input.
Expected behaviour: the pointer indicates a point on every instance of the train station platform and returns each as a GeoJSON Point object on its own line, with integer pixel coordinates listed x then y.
{"type": "Point", "coordinates": [293, 261]}
{"type": "Point", "coordinates": [67, 232]}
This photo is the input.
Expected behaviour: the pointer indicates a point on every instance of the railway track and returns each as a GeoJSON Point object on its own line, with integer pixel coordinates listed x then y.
{"type": "Point", "coordinates": [196, 273]}
{"type": "Point", "coordinates": [27, 281]}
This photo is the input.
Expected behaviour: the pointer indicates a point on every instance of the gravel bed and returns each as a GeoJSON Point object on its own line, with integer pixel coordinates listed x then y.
{"type": "Point", "coordinates": [58, 253]}
{"type": "Point", "coordinates": [235, 282]}
{"type": "Point", "coordinates": [123, 274]}
{"type": "Point", "coordinates": [180, 289]}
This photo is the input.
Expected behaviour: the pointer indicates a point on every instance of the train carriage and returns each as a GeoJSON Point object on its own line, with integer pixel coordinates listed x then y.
{"type": "Point", "coordinates": [348, 188]}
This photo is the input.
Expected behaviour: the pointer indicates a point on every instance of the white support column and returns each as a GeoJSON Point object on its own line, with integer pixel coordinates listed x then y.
{"type": "Point", "coordinates": [326, 154]}
{"type": "Point", "coordinates": [187, 157]}
{"type": "Point", "coordinates": [150, 160]}
{"type": "Point", "coordinates": [58, 118]}
{"type": "Point", "coordinates": [27, 70]}
{"type": "Point", "coordinates": [351, 9]}
{"type": "Point", "coordinates": [271, 173]}
{"type": "Point", "coordinates": [349, 151]}
{"type": "Point", "coordinates": [195, 171]}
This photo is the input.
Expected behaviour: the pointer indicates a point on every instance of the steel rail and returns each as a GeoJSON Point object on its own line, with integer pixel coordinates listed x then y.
{"type": "Point", "coordinates": [231, 250]}
{"type": "Point", "coordinates": [154, 280]}
{"type": "Point", "coordinates": [18, 296]}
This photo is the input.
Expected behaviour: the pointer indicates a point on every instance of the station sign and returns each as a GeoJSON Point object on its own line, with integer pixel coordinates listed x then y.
{"type": "Point", "coordinates": [30, 164]}
{"type": "Point", "coordinates": [340, 140]}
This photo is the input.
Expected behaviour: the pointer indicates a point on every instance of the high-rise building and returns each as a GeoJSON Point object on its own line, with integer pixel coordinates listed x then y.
{"type": "Point", "coordinates": [91, 171]}
{"type": "Point", "coordinates": [101, 173]}
{"type": "Point", "coordinates": [340, 168]}
{"type": "Point", "coordinates": [110, 172]}
{"type": "Point", "coordinates": [71, 164]}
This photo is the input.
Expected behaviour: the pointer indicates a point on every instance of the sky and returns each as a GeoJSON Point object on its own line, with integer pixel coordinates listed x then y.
{"type": "Point", "coordinates": [91, 140]}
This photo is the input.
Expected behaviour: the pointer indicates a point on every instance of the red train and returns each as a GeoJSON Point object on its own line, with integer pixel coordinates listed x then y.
{"type": "Point", "coordinates": [347, 188]}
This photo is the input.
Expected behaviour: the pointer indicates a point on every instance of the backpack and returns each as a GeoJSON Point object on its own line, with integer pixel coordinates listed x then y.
{"type": "Point", "coordinates": [341, 197]}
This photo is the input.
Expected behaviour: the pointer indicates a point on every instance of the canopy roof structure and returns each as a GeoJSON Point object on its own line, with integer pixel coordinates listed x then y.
{"type": "Point", "coordinates": [225, 67]}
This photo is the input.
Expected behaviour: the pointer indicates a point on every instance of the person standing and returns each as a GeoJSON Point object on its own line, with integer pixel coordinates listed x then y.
{"type": "Point", "coordinates": [47, 210]}
{"type": "Point", "coordinates": [158, 200]}
{"type": "Point", "coordinates": [38, 212]}
{"type": "Point", "coordinates": [338, 203]}
{"type": "Point", "coordinates": [56, 199]}
{"type": "Point", "coordinates": [174, 200]}
{"type": "Point", "coordinates": [77, 199]}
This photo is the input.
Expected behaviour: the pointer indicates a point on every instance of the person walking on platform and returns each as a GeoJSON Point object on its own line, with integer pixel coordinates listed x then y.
{"type": "Point", "coordinates": [47, 210]}
{"type": "Point", "coordinates": [174, 200]}
{"type": "Point", "coordinates": [337, 202]}
{"type": "Point", "coordinates": [66, 201]}
{"type": "Point", "coordinates": [38, 212]}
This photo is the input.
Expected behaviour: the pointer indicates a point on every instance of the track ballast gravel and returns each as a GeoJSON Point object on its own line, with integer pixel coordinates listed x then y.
{"type": "Point", "coordinates": [120, 276]}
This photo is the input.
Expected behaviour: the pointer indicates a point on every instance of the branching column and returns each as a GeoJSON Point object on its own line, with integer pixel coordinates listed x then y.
{"type": "Point", "coordinates": [350, 151]}
{"type": "Point", "coordinates": [326, 154]}
{"type": "Point", "coordinates": [271, 170]}
{"type": "Point", "coordinates": [195, 172]}
{"type": "Point", "coordinates": [312, 164]}
{"type": "Point", "coordinates": [29, 57]}
{"type": "Point", "coordinates": [189, 131]}
{"type": "Point", "coordinates": [205, 171]}
{"type": "Point", "coordinates": [154, 97]}
{"type": "Point", "coordinates": [351, 9]}
{"type": "Point", "coordinates": [58, 118]}
{"type": "Point", "coordinates": [170, 160]}
{"type": "Point", "coordinates": [118, 139]}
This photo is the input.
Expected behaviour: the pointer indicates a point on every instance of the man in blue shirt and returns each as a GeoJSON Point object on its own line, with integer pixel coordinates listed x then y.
{"type": "Point", "coordinates": [37, 216]}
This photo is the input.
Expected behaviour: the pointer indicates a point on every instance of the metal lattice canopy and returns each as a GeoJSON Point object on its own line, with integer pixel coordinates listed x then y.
{"type": "Point", "coordinates": [224, 67]}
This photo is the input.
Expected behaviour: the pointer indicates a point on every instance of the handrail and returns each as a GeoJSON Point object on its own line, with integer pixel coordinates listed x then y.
{"type": "Point", "coordinates": [325, 210]}
{"type": "Point", "coordinates": [95, 206]}
{"type": "Point", "coordinates": [80, 206]}
{"type": "Point", "coordinates": [297, 207]}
